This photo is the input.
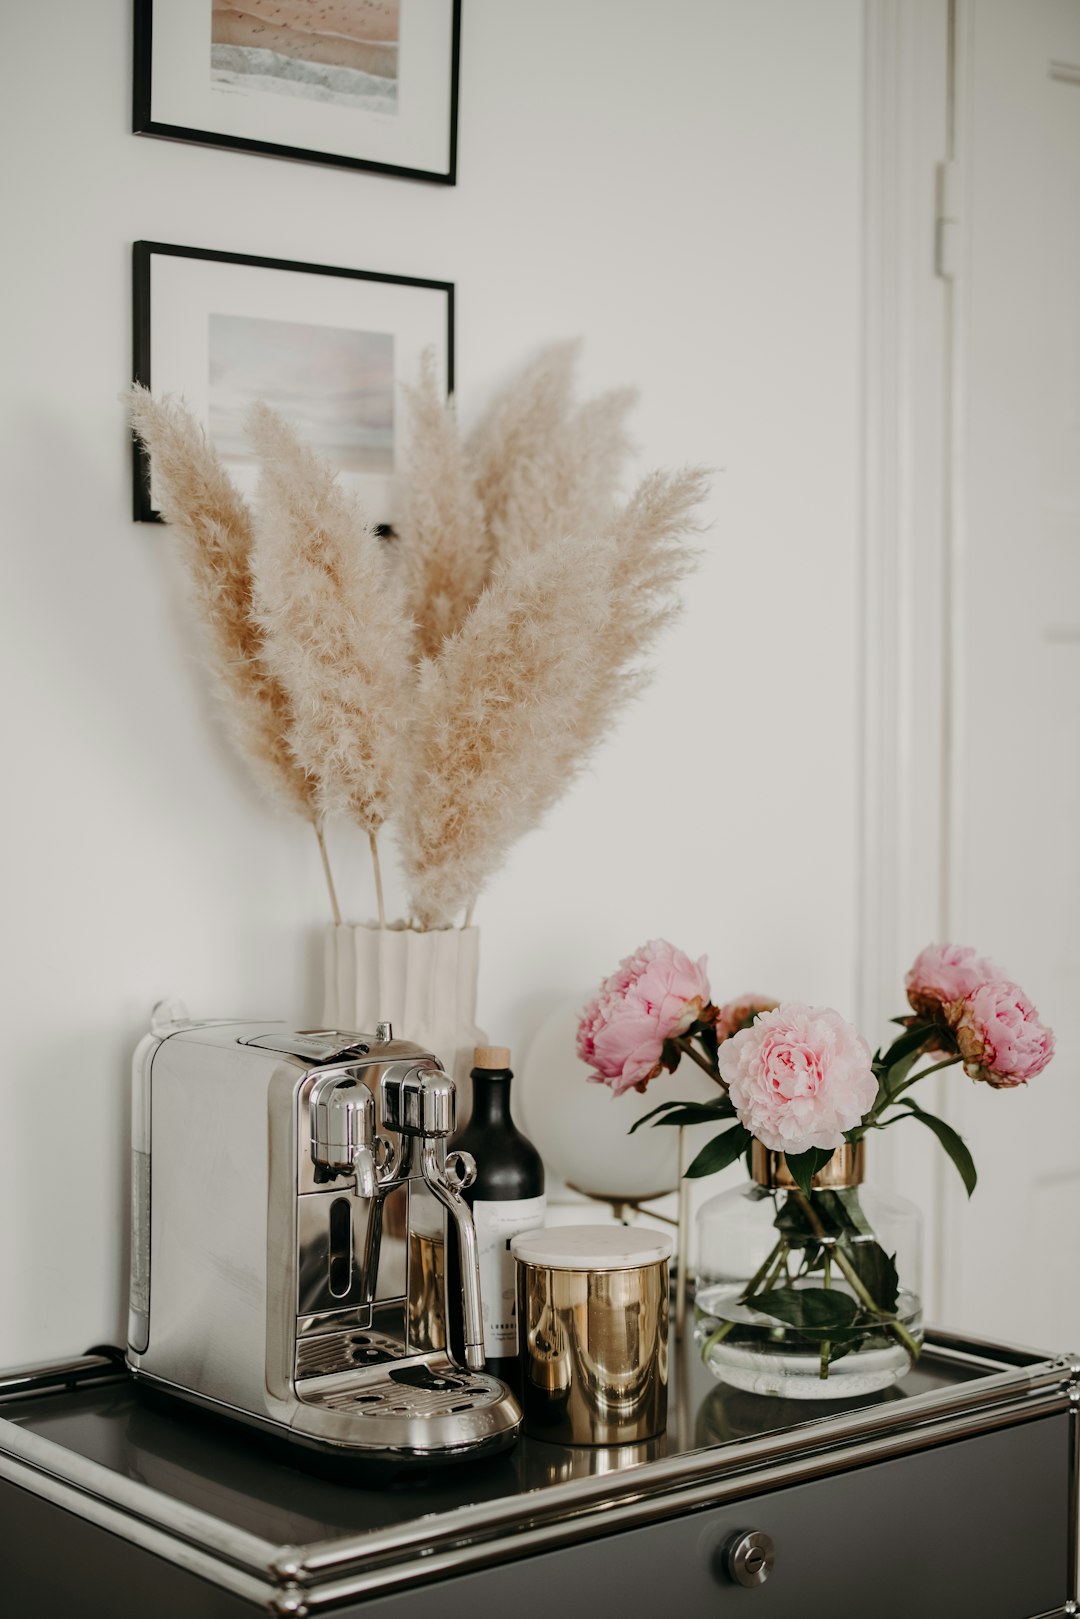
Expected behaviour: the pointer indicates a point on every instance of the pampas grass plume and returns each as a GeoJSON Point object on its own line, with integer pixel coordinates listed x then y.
{"type": "Point", "coordinates": [335, 629]}
{"type": "Point", "coordinates": [215, 528]}
{"type": "Point", "coordinates": [489, 709]}
{"type": "Point", "coordinates": [444, 546]}
{"type": "Point", "coordinates": [544, 468]}
{"type": "Point", "coordinates": [462, 687]}
{"type": "Point", "coordinates": [515, 704]}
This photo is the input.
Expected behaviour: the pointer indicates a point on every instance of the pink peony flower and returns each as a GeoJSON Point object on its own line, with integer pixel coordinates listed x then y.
{"type": "Point", "coordinates": [799, 1077]}
{"type": "Point", "coordinates": [740, 1013]}
{"type": "Point", "coordinates": [652, 996]}
{"type": "Point", "coordinates": [1000, 1036]}
{"type": "Point", "coordinates": [943, 973]}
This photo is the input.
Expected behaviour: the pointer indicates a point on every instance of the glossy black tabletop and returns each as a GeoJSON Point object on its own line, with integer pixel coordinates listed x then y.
{"type": "Point", "coordinates": [225, 1470]}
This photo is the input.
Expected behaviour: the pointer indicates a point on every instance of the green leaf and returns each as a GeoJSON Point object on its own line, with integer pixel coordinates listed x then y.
{"type": "Point", "coordinates": [954, 1144]}
{"type": "Point", "coordinates": [718, 1153]}
{"type": "Point", "coordinates": [813, 1258]}
{"type": "Point", "coordinates": [699, 1113]}
{"type": "Point", "coordinates": [805, 1165]}
{"type": "Point", "coordinates": [823, 1310]}
{"type": "Point", "coordinates": [791, 1219]}
{"type": "Point", "coordinates": [877, 1272]}
{"type": "Point", "coordinates": [910, 1043]}
{"type": "Point", "coordinates": [840, 1211]}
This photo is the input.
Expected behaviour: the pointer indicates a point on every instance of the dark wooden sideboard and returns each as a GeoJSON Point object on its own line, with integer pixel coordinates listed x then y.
{"type": "Point", "coordinates": [955, 1493]}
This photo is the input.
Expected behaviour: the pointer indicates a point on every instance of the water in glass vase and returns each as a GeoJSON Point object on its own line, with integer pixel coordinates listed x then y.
{"type": "Point", "coordinates": [753, 1351]}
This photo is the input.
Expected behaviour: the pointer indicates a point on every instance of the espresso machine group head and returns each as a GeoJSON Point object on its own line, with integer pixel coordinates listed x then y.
{"type": "Point", "coordinates": [290, 1194]}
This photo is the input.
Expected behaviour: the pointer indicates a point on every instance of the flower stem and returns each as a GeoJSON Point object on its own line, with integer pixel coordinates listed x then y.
{"type": "Point", "coordinates": [755, 1283]}
{"type": "Point", "coordinates": [826, 1346]}
{"type": "Point", "coordinates": [781, 1265]}
{"type": "Point", "coordinates": [766, 1276]}
{"type": "Point", "coordinates": [715, 1338]}
{"type": "Point", "coordinates": [922, 1074]}
{"type": "Point", "coordinates": [684, 1044]}
{"type": "Point", "coordinates": [854, 1279]}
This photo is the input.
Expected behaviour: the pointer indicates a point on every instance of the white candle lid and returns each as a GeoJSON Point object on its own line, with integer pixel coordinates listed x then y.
{"type": "Point", "coordinates": [592, 1247]}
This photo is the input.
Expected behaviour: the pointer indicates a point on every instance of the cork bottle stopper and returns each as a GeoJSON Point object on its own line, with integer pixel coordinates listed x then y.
{"type": "Point", "coordinates": [491, 1057]}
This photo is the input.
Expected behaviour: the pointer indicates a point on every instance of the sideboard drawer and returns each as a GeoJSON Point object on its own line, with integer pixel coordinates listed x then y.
{"type": "Point", "coordinates": [977, 1526]}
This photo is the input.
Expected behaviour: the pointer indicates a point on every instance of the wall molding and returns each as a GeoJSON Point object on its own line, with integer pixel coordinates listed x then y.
{"type": "Point", "coordinates": [906, 555]}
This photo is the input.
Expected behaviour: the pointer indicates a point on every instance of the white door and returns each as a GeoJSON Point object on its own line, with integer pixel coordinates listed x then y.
{"type": "Point", "coordinates": [1010, 1260]}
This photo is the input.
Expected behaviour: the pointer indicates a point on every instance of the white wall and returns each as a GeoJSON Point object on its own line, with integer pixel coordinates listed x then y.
{"type": "Point", "coordinates": [681, 186]}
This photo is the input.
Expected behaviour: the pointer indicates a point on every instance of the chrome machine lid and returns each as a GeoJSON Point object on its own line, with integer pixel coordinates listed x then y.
{"type": "Point", "coordinates": [314, 1045]}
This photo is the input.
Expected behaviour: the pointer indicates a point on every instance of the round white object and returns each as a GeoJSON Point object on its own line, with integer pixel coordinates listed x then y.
{"type": "Point", "coordinates": [591, 1247]}
{"type": "Point", "coordinates": [581, 1129]}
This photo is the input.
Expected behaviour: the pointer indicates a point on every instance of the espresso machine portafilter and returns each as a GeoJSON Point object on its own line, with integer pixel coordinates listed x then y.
{"type": "Point", "coordinates": [283, 1184]}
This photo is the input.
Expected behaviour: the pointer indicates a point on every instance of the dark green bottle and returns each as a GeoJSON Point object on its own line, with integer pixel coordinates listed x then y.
{"type": "Point", "coordinates": [506, 1198]}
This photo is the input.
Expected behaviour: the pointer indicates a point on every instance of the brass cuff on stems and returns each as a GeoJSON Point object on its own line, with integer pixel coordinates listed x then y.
{"type": "Point", "coordinates": [845, 1168]}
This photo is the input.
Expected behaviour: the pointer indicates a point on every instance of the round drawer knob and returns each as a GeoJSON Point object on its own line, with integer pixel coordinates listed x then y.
{"type": "Point", "coordinates": [749, 1556]}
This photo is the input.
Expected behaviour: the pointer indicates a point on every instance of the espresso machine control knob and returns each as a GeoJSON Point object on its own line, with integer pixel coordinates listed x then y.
{"type": "Point", "coordinates": [418, 1102]}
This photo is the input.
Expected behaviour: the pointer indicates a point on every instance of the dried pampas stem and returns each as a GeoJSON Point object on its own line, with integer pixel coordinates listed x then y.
{"type": "Point", "coordinates": [334, 907]}
{"type": "Point", "coordinates": [375, 866]}
{"type": "Point", "coordinates": [215, 528]}
{"type": "Point", "coordinates": [336, 633]}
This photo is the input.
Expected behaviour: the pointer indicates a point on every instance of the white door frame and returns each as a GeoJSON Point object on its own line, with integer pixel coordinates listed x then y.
{"type": "Point", "coordinates": [909, 537]}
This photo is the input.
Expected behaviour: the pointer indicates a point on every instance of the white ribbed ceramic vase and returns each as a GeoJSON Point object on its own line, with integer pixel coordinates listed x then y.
{"type": "Point", "coordinates": [422, 983]}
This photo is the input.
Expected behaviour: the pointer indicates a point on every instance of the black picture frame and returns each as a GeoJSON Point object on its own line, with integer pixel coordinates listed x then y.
{"type": "Point", "coordinates": [143, 254]}
{"type": "Point", "coordinates": [144, 121]}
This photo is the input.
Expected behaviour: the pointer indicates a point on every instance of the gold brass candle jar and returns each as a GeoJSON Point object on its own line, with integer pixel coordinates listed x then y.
{"type": "Point", "coordinates": [592, 1309]}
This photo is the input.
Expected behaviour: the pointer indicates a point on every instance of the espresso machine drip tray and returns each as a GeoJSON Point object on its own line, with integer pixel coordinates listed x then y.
{"type": "Point", "coordinates": [340, 1351]}
{"type": "Point", "coordinates": [411, 1391]}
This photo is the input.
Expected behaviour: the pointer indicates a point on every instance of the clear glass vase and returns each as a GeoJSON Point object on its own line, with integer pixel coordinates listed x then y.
{"type": "Point", "coordinates": [809, 1297]}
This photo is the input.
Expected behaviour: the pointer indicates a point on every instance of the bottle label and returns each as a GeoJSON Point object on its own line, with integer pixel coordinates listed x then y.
{"type": "Point", "coordinates": [496, 1226]}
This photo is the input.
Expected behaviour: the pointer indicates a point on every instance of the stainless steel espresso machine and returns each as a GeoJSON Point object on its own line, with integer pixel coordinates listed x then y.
{"type": "Point", "coordinates": [289, 1196]}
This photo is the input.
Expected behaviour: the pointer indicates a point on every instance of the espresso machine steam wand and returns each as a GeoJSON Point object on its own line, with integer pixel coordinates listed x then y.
{"type": "Point", "coordinates": [420, 1104]}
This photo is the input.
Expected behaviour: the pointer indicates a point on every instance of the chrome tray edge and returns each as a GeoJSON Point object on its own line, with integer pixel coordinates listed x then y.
{"type": "Point", "coordinates": [308, 1579]}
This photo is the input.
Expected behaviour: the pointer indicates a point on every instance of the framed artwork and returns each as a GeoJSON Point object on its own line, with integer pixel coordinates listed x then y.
{"type": "Point", "coordinates": [326, 347]}
{"type": "Point", "coordinates": [363, 84]}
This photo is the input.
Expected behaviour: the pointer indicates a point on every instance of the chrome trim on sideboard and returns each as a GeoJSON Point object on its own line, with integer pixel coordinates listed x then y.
{"type": "Point", "coordinates": [384, 1571]}
{"type": "Point", "coordinates": [1074, 1487]}
{"type": "Point", "coordinates": [154, 1532]}
{"type": "Point", "coordinates": [19, 1381]}
{"type": "Point", "coordinates": [302, 1579]}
